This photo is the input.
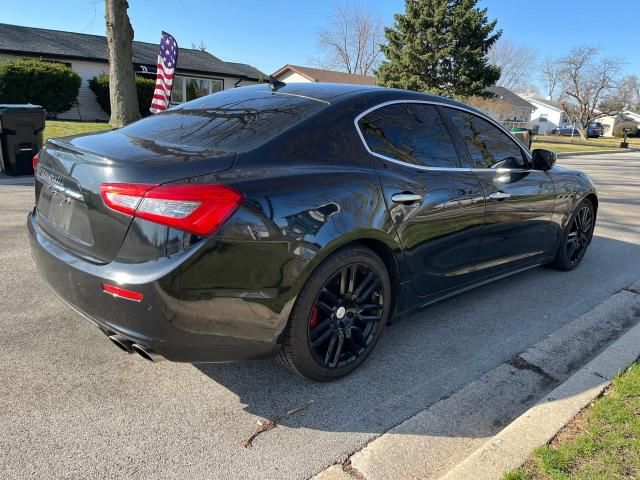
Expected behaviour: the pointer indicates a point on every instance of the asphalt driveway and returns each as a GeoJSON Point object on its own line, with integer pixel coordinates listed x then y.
{"type": "Point", "coordinates": [74, 406]}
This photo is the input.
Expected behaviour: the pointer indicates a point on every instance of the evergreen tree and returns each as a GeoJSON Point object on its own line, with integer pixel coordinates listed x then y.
{"type": "Point", "coordinates": [440, 46]}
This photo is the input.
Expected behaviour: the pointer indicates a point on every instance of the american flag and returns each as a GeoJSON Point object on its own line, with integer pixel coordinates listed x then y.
{"type": "Point", "coordinates": [167, 58]}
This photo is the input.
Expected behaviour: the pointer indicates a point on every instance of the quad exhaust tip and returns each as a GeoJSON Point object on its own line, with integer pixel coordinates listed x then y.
{"type": "Point", "coordinates": [126, 345]}
{"type": "Point", "coordinates": [123, 343]}
{"type": "Point", "coordinates": [147, 353]}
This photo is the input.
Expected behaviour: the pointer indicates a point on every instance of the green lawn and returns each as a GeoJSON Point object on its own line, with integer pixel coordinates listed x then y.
{"type": "Point", "coordinates": [569, 147]}
{"type": "Point", "coordinates": [601, 443]}
{"type": "Point", "coordinates": [576, 144]}
{"type": "Point", "coordinates": [59, 128]}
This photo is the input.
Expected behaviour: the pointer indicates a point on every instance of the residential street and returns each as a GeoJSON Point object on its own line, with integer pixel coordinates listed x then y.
{"type": "Point", "coordinates": [72, 405]}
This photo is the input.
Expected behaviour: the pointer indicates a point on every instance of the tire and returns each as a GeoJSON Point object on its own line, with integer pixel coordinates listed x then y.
{"type": "Point", "coordinates": [329, 334]}
{"type": "Point", "coordinates": [574, 244]}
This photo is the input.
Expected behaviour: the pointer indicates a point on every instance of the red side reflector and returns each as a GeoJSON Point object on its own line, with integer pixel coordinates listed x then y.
{"type": "Point", "coordinates": [34, 162]}
{"type": "Point", "coordinates": [121, 292]}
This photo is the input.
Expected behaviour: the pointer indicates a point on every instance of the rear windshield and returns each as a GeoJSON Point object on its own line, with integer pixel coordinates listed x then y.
{"type": "Point", "coordinates": [231, 120]}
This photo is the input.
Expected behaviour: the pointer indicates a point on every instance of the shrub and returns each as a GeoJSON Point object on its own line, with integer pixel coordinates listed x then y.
{"type": "Point", "coordinates": [618, 129]}
{"type": "Point", "coordinates": [144, 88]}
{"type": "Point", "coordinates": [54, 86]}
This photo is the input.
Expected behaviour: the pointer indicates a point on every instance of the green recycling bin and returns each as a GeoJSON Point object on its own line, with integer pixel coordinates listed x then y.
{"type": "Point", "coordinates": [522, 134]}
{"type": "Point", "coordinates": [21, 129]}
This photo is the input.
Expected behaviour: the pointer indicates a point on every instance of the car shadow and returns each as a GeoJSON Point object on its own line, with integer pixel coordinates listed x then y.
{"type": "Point", "coordinates": [431, 354]}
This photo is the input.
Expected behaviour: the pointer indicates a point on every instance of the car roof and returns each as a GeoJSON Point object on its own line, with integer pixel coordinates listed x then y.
{"type": "Point", "coordinates": [332, 92]}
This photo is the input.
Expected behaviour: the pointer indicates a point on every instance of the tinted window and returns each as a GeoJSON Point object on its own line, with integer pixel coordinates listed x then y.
{"type": "Point", "coordinates": [412, 132]}
{"type": "Point", "coordinates": [230, 120]}
{"type": "Point", "coordinates": [488, 146]}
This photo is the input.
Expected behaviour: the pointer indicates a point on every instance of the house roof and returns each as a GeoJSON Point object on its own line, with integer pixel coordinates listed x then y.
{"type": "Point", "coordinates": [511, 98]}
{"type": "Point", "coordinates": [54, 43]}
{"type": "Point", "coordinates": [327, 76]}
{"type": "Point", "coordinates": [548, 103]}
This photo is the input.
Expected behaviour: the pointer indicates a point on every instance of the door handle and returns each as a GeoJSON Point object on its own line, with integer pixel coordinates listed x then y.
{"type": "Point", "coordinates": [406, 197]}
{"type": "Point", "coordinates": [499, 195]}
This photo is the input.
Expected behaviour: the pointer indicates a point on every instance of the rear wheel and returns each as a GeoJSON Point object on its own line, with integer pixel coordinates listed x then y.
{"type": "Point", "coordinates": [339, 315]}
{"type": "Point", "coordinates": [576, 238]}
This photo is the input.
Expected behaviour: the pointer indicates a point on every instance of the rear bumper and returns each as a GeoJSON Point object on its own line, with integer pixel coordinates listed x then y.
{"type": "Point", "coordinates": [215, 329]}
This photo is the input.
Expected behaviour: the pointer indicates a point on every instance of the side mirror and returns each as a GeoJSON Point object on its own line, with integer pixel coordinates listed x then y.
{"type": "Point", "coordinates": [543, 159]}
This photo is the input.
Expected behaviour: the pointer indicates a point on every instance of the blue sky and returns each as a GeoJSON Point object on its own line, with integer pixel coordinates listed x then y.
{"type": "Point", "coordinates": [271, 33]}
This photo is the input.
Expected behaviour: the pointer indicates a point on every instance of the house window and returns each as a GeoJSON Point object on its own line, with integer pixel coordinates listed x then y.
{"type": "Point", "coordinates": [543, 117]}
{"type": "Point", "coordinates": [189, 88]}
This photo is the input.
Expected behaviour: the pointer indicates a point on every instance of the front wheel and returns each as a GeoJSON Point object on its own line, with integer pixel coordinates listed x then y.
{"type": "Point", "coordinates": [576, 237]}
{"type": "Point", "coordinates": [338, 316]}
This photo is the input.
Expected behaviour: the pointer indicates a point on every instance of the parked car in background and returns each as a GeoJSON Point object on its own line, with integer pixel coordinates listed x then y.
{"type": "Point", "coordinates": [296, 220]}
{"type": "Point", "coordinates": [594, 130]}
{"type": "Point", "coordinates": [566, 130]}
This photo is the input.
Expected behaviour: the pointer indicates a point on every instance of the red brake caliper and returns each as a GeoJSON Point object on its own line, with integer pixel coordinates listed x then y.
{"type": "Point", "coordinates": [313, 320]}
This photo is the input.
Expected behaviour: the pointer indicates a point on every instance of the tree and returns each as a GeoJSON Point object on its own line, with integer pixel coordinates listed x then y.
{"type": "Point", "coordinates": [351, 40]}
{"type": "Point", "coordinates": [589, 85]}
{"type": "Point", "coordinates": [516, 63]}
{"type": "Point", "coordinates": [494, 107]}
{"type": "Point", "coordinates": [550, 73]}
{"type": "Point", "coordinates": [629, 92]}
{"type": "Point", "coordinates": [145, 87]}
{"type": "Point", "coordinates": [440, 46]}
{"type": "Point", "coordinates": [122, 91]}
{"type": "Point", "coordinates": [200, 46]}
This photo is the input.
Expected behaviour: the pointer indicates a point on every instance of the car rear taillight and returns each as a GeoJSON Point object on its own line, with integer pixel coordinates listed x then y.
{"type": "Point", "coordinates": [34, 162]}
{"type": "Point", "coordinates": [195, 208]}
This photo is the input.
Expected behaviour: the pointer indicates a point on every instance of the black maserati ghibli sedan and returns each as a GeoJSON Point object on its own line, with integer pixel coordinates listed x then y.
{"type": "Point", "coordinates": [295, 220]}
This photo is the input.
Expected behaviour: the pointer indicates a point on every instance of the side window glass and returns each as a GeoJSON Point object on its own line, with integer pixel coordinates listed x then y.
{"type": "Point", "coordinates": [488, 146]}
{"type": "Point", "coordinates": [410, 132]}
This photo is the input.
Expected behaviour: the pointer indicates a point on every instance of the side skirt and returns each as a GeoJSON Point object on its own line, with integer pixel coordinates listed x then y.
{"type": "Point", "coordinates": [420, 306]}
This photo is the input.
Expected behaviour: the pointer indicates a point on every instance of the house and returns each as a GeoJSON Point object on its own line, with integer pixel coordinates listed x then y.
{"type": "Point", "coordinates": [610, 121]}
{"type": "Point", "coordinates": [198, 73]}
{"type": "Point", "coordinates": [298, 74]}
{"type": "Point", "coordinates": [548, 114]}
{"type": "Point", "coordinates": [520, 114]}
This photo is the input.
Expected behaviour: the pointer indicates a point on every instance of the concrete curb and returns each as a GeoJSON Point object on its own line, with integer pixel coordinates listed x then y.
{"type": "Point", "coordinates": [510, 448]}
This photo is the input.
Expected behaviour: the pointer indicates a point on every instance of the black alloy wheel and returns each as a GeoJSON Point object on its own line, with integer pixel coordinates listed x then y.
{"type": "Point", "coordinates": [339, 316]}
{"type": "Point", "coordinates": [577, 237]}
{"type": "Point", "coordinates": [580, 234]}
{"type": "Point", "coordinates": [345, 316]}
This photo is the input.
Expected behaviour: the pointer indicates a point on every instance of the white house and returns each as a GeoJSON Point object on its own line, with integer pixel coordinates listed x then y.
{"type": "Point", "coordinates": [198, 73]}
{"type": "Point", "coordinates": [546, 115]}
{"type": "Point", "coordinates": [609, 122]}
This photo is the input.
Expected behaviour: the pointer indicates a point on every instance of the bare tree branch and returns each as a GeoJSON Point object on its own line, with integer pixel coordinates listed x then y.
{"type": "Point", "coordinates": [550, 72]}
{"type": "Point", "coordinates": [589, 86]}
{"type": "Point", "coordinates": [517, 64]}
{"type": "Point", "coordinates": [350, 42]}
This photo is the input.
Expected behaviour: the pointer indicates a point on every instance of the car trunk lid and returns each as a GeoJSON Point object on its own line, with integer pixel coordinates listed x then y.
{"type": "Point", "coordinates": [70, 171]}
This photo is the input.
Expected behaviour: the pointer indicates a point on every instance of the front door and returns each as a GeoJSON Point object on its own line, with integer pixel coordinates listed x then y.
{"type": "Point", "coordinates": [520, 200]}
{"type": "Point", "coordinates": [436, 206]}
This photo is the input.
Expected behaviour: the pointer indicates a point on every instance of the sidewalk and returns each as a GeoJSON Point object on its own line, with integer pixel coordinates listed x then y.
{"type": "Point", "coordinates": [464, 436]}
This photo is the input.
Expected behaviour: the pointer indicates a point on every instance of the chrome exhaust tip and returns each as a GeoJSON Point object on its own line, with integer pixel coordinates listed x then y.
{"type": "Point", "coordinates": [147, 353]}
{"type": "Point", "coordinates": [122, 343]}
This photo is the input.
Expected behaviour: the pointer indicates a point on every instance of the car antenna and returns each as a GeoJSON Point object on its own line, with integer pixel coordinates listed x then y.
{"type": "Point", "coordinates": [275, 84]}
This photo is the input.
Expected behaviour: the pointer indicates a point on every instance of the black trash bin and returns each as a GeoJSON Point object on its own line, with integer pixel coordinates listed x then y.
{"type": "Point", "coordinates": [21, 128]}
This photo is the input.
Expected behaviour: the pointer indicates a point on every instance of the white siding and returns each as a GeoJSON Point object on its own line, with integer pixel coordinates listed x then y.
{"type": "Point", "coordinates": [292, 77]}
{"type": "Point", "coordinates": [554, 117]}
{"type": "Point", "coordinates": [87, 108]}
